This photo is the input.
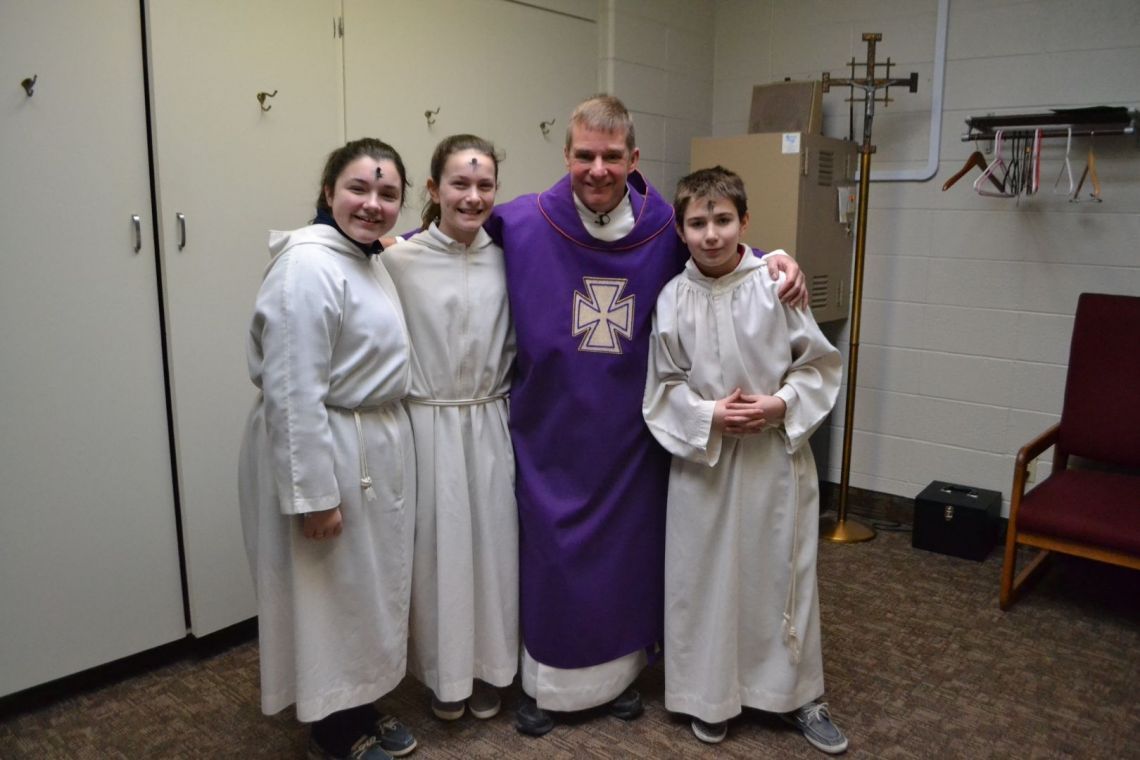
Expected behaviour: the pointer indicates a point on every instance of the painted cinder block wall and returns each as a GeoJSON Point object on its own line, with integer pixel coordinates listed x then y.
{"type": "Point", "coordinates": [968, 301]}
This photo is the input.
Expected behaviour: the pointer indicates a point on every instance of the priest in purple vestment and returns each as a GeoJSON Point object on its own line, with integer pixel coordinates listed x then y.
{"type": "Point", "coordinates": [585, 261]}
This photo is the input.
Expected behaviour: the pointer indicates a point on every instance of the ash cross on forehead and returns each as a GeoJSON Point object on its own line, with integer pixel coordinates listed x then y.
{"type": "Point", "coordinates": [711, 205]}
{"type": "Point", "coordinates": [474, 162]}
{"type": "Point", "coordinates": [379, 172]}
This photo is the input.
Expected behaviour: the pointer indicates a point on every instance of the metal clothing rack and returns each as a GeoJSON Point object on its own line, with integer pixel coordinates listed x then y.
{"type": "Point", "coordinates": [1099, 120]}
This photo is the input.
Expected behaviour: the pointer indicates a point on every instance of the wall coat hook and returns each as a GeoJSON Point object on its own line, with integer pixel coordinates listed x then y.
{"type": "Point", "coordinates": [545, 127]}
{"type": "Point", "coordinates": [262, 96]}
{"type": "Point", "coordinates": [430, 115]}
{"type": "Point", "coordinates": [29, 84]}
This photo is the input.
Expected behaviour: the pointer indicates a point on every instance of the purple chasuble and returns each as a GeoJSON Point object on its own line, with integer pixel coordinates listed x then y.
{"type": "Point", "coordinates": [591, 481]}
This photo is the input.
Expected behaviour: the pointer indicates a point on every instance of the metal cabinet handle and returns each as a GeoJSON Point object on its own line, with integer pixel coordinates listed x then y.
{"type": "Point", "coordinates": [136, 223]}
{"type": "Point", "coordinates": [181, 230]}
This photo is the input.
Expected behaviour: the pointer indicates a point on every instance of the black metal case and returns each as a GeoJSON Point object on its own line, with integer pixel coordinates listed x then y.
{"type": "Point", "coordinates": [958, 520]}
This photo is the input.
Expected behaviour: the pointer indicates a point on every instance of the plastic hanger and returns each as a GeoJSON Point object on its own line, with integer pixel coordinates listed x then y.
{"type": "Point", "coordinates": [1035, 163]}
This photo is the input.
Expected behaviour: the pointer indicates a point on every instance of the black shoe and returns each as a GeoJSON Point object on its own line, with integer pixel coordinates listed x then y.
{"type": "Point", "coordinates": [532, 720]}
{"type": "Point", "coordinates": [627, 706]}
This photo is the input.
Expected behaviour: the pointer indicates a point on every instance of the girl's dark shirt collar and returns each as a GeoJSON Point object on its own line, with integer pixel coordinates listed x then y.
{"type": "Point", "coordinates": [324, 217]}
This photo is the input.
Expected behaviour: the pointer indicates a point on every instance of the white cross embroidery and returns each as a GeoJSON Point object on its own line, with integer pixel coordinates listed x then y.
{"type": "Point", "coordinates": [603, 315]}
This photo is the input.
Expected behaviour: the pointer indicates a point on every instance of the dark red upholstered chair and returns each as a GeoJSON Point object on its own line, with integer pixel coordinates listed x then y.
{"type": "Point", "coordinates": [1093, 511]}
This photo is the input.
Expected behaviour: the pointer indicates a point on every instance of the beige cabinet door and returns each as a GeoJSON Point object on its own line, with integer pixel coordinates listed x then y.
{"type": "Point", "coordinates": [490, 67]}
{"type": "Point", "coordinates": [89, 568]}
{"type": "Point", "coordinates": [230, 167]}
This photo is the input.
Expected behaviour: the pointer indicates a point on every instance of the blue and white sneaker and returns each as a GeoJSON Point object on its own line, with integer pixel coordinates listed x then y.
{"type": "Point", "coordinates": [814, 721]}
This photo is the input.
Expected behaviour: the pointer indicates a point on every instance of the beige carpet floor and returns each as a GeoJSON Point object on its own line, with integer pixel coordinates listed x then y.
{"type": "Point", "coordinates": [920, 663]}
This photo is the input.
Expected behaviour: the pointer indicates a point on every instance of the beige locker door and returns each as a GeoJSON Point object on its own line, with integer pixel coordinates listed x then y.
{"type": "Point", "coordinates": [88, 547]}
{"type": "Point", "coordinates": [493, 68]}
{"type": "Point", "coordinates": [234, 171]}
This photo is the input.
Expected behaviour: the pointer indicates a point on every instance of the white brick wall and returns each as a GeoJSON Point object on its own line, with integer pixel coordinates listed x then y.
{"type": "Point", "coordinates": [968, 301]}
{"type": "Point", "coordinates": [658, 58]}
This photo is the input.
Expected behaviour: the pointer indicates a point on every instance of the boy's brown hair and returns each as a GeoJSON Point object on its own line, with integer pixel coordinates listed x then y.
{"type": "Point", "coordinates": [716, 182]}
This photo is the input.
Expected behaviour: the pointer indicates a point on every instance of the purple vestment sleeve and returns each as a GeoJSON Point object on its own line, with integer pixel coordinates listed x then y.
{"type": "Point", "coordinates": [591, 481]}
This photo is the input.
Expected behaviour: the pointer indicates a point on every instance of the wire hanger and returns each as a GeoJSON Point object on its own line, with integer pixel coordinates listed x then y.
{"type": "Point", "coordinates": [1067, 168]}
{"type": "Point", "coordinates": [998, 164]}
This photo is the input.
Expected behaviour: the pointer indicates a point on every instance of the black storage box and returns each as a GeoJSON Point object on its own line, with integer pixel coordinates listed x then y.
{"type": "Point", "coordinates": [958, 520]}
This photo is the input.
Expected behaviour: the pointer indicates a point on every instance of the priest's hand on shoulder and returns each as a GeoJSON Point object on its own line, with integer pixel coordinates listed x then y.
{"type": "Point", "coordinates": [794, 291]}
{"type": "Point", "coordinates": [322, 525]}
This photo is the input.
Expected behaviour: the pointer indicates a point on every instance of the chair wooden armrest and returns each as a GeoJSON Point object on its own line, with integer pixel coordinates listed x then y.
{"type": "Point", "coordinates": [1025, 455]}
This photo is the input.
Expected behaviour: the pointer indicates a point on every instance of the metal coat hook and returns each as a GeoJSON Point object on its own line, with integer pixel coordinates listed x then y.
{"type": "Point", "coordinates": [29, 85]}
{"type": "Point", "coordinates": [545, 127]}
{"type": "Point", "coordinates": [261, 96]}
{"type": "Point", "coordinates": [430, 115]}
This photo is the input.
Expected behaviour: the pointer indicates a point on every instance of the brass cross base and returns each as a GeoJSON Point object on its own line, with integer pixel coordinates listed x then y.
{"type": "Point", "coordinates": [845, 531]}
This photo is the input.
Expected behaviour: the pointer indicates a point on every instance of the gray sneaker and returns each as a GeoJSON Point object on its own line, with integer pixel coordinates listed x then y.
{"type": "Point", "coordinates": [484, 701]}
{"type": "Point", "coordinates": [709, 733]}
{"type": "Point", "coordinates": [447, 710]}
{"type": "Point", "coordinates": [814, 721]}
{"type": "Point", "coordinates": [394, 737]}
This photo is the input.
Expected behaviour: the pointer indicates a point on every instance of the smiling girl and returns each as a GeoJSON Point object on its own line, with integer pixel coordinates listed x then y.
{"type": "Point", "coordinates": [451, 281]}
{"type": "Point", "coordinates": [327, 470]}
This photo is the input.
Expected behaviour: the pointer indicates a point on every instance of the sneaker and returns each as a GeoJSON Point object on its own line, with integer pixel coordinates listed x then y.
{"type": "Point", "coordinates": [484, 701]}
{"type": "Point", "coordinates": [365, 748]}
{"type": "Point", "coordinates": [627, 706]}
{"type": "Point", "coordinates": [447, 710]}
{"type": "Point", "coordinates": [814, 720]}
{"type": "Point", "coordinates": [532, 720]}
{"type": "Point", "coordinates": [709, 733]}
{"type": "Point", "coordinates": [394, 736]}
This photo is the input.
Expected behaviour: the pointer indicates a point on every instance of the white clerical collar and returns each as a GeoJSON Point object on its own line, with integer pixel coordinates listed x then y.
{"type": "Point", "coordinates": [610, 226]}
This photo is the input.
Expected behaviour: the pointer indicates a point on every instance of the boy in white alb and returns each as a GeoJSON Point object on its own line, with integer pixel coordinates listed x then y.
{"type": "Point", "coordinates": [737, 382]}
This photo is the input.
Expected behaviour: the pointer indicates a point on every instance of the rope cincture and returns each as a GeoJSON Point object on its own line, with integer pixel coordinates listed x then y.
{"type": "Point", "coordinates": [791, 633]}
{"type": "Point", "coordinates": [365, 478]}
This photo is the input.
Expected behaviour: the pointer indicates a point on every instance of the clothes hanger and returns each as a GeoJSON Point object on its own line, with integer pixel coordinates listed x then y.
{"type": "Point", "coordinates": [977, 159]}
{"type": "Point", "coordinates": [998, 164]}
{"type": "Point", "coordinates": [1035, 163]}
{"type": "Point", "coordinates": [1068, 167]}
{"type": "Point", "coordinates": [1090, 173]}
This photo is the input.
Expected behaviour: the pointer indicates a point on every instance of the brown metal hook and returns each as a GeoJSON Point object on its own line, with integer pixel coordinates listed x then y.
{"type": "Point", "coordinates": [261, 97]}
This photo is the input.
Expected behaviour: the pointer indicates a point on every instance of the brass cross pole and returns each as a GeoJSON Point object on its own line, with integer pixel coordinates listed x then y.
{"type": "Point", "coordinates": [840, 528]}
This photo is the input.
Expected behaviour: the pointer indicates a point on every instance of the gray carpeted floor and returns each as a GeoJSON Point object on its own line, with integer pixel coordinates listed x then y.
{"type": "Point", "coordinates": [920, 663]}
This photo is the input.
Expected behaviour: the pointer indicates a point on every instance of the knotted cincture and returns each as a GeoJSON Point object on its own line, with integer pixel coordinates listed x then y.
{"type": "Point", "coordinates": [792, 638]}
{"type": "Point", "coordinates": [365, 478]}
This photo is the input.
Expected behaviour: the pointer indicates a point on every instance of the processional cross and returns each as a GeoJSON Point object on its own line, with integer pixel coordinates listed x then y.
{"type": "Point", "coordinates": [841, 529]}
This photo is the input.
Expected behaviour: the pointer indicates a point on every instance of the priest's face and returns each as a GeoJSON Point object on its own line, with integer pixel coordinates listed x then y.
{"type": "Point", "coordinates": [365, 200]}
{"type": "Point", "coordinates": [711, 229]}
{"type": "Point", "coordinates": [599, 163]}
